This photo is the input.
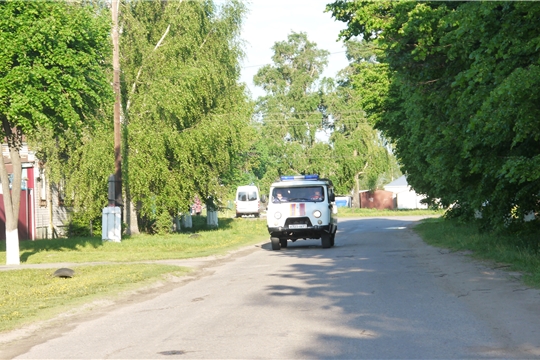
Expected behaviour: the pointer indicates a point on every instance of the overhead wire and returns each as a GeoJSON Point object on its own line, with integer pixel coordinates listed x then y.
{"type": "Point", "coordinates": [252, 66]}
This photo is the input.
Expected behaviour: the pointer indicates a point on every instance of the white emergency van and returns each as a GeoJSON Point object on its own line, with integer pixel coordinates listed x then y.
{"type": "Point", "coordinates": [301, 207]}
{"type": "Point", "coordinates": [248, 201]}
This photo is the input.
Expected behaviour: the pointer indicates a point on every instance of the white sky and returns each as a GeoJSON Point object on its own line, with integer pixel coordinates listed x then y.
{"type": "Point", "coordinates": [269, 21]}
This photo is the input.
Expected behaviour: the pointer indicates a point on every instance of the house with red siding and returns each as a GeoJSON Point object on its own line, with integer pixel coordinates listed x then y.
{"type": "Point", "coordinates": [42, 214]}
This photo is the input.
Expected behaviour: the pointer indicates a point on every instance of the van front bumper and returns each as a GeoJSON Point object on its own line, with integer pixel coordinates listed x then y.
{"type": "Point", "coordinates": [309, 232]}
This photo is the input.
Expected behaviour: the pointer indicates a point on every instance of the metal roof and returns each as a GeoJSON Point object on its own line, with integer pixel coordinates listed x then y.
{"type": "Point", "coordinates": [400, 181]}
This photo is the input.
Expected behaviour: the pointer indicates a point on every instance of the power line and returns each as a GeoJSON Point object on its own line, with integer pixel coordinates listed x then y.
{"type": "Point", "coordinates": [252, 66]}
{"type": "Point", "coordinates": [314, 112]}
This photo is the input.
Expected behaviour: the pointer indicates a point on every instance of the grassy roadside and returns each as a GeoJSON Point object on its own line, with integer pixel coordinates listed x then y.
{"type": "Point", "coordinates": [199, 242]}
{"type": "Point", "coordinates": [30, 295]}
{"type": "Point", "coordinates": [514, 252]}
{"type": "Point", "coordinates": [356, 212]}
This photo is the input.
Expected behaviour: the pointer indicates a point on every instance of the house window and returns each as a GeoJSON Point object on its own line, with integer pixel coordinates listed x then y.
{"type": "Point", "coordinates": [61, 193]}
{"type": "Point", "coordinates": [42, 188]}
{"type": "Point", "coordinates": [63, 199]}
{"type": "Point", "coordinates": [24, 179]}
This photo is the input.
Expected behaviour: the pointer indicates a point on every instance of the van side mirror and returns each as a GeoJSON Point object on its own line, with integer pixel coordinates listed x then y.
{"type": "Point", "coordinates": [332, 197]}
{"type": "Point", "coordinates": [263, 198]}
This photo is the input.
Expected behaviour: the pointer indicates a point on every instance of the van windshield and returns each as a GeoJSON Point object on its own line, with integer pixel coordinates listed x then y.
{"type": "Point", "coordinates": [298, 194]}
{"type": "Point", "coordinates": [247, 196]}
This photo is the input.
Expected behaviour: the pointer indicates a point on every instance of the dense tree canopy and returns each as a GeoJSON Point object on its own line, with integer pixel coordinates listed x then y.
{"type": "Point", "coordinates": [460, 105]}
{"type": "Point", "coordinates": [52, 77]}
{"type": "Point", "coordinates": [186, 114]}
{"type": "Point", "coordinates": [313, 125]}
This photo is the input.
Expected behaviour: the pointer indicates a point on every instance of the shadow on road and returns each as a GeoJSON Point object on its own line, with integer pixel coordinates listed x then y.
{"type": "Point", "coordinates": [374, 295]}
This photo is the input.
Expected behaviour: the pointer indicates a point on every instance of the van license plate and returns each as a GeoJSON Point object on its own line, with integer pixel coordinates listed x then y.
{"type": "Point", "coordinates": [297, 226]}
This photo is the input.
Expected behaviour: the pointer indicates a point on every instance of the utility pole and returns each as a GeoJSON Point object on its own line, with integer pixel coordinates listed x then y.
{"type": "Point", "coordinates": [356, 192]}
{"type": "Point", "coordinates": [116, 87]}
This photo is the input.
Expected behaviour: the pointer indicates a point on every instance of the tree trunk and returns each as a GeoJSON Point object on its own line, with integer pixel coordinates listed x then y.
{"type": "Point", "coordinates": [356, 192]}
{"type": "Point", "coordinates": [132, 227]}
{"type": "Point", "coordinates": [12, 197]}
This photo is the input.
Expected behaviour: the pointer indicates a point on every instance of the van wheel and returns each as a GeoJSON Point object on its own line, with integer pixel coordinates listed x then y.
{"type": "Point", "coordinates": [326, 241]}
{"type": "Point", "coordinates": [283, 243]}
{"type": "Point", "coordinates": [332, 239]}
{"type": "Point", "coordinates": [275, 243]}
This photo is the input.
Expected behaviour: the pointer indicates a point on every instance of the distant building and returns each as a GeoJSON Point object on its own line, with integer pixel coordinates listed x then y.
{"type": "Point", "coordinates": [404, 196]}
{"type": "Point", "coordinates": [378, 199]}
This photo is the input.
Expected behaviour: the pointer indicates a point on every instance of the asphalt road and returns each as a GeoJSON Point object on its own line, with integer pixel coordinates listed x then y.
{"type": "Point", "coordinates": [379, 293]}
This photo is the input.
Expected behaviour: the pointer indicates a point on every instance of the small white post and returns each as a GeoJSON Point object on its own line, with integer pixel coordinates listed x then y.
{"type": "Point", "coordinates": [111, 227]}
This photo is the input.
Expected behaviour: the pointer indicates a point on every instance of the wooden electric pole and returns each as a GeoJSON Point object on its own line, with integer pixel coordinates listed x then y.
{"type": "Point", "coordinates": [116, 87]}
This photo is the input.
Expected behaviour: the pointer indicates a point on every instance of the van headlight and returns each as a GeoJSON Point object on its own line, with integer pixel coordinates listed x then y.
{"type": "Point", "coordinates": [317, 214]}
{"type": "Point", "coordinates": [277, 215]}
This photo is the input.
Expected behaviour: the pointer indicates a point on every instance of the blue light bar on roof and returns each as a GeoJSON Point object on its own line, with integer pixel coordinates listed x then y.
{"type": "Point", "coordinates": [299, 177]}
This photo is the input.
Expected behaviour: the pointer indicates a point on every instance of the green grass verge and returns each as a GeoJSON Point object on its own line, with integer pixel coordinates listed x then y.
{"type": "Point", "coordinates": [356, 212]}
{"type": "Point", "coordinates": [30, 295]}
{"type": "Point", "coordinates": [231, 234]}
{"type": "Point", "coordinates": [517, 252]}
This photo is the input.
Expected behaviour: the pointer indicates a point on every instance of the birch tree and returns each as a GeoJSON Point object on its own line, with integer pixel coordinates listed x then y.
{"type": "Point", "coordinates": [186, 115]}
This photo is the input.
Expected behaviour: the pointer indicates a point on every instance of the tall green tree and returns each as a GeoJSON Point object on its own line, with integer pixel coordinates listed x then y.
{"type": "Point", "coordinates": [460, 108]}
{"type": "Point", "coordinates": [290, 115]}
{"type": "Point", "coordinates": [185, 113]}
{"type": "Point", "coordinates": [313, 125]}
{"type": "Point", "coordinates": [52, 75]}
{"type": "Point", "coordinates": [362, 155]}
